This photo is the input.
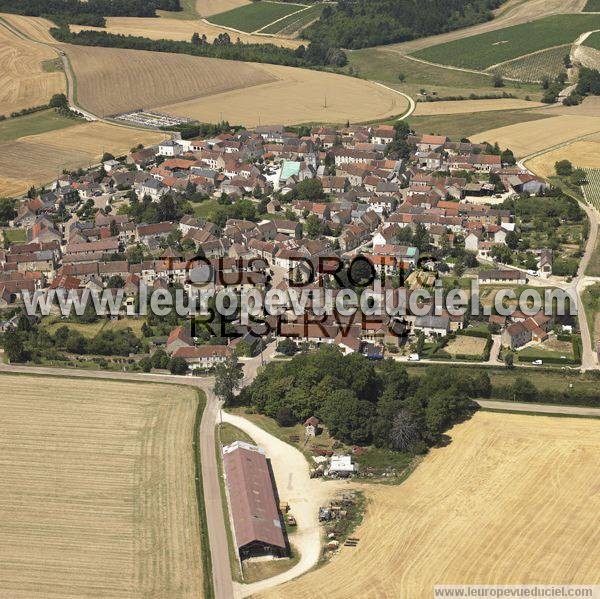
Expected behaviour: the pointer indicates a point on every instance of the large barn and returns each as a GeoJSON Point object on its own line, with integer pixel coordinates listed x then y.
{"type": "Point", "coordinates": [252, 501]}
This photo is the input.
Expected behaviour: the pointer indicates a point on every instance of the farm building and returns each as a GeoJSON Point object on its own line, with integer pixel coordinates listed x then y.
{"type": "Point", "coordinates": [252, 501]}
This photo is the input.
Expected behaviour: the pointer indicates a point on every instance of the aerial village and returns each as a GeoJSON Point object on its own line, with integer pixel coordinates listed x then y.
{"type": "Point", "coordinates": [418, 207]}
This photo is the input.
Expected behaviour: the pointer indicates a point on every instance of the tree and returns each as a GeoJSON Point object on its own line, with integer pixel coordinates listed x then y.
{"type": "Point", "coordinates": [145, 364]}
{"type": "Point", "coordinates": [285, 417]}
{"type": "Point", "coordinates": [115, 282]}
{"type": "Point", "coordinates": [309, 189]}
{"type": "Point", "coordinates": [509, 359]}
{"type": "Point", "coordinates": [421, 238]}
{"type": "Point", "coordinates": [512, 240]}
{"type": "Point", "coordinates": [178, 366]}
{"type": "Point", "coordinates": [497, 80]}
{"type": "Point", "coordinates": [58, 101]}
{"type": "Point", "coordinates": [7, 210]}
{"type": "Point", "coordinates": [563, 168]}
{"type": "Point", "coordinates": [405, 431]}
{"type": "Point", "coordinates": [228, 379]}
{"type": "Point", "coordinates": [287, 347]}
{"type": "Point", "coordinates": [13, 346]}
{"type": "Point", "coordinates": [160, 359]}
{"type": "Point", "coordinates": [196, 39]}
{"type": "Point", "coordinates": [313, 226]}
{"type": "Point", "coordinates": [401, 77]}
{"type": "Point", "coordinates": [107, 156]}
{"type": "Point", "coordinates": [578, 177]}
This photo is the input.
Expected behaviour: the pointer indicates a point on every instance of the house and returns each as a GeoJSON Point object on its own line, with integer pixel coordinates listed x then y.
{"type": "Point", "coordinates": [515, 335]}
{"type": "Point", "coordinates": [257, 528]}
{"type": "Point", "coordinates": [432, 326]}
{"type": "Point", "coordinates": [496, 277]}
{"type": "Point", "coordinates": [169, 148]}
{"type": "Point", "coordinates": [311, 426]}
{"type": "Point", "coordinates": [204, 356]}
{"type": "Point", "coordinates": [178, 339]}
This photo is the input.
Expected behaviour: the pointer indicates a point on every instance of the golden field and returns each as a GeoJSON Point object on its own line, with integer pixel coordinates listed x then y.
{"type": "Point", "coordinates": [528, 138]}
{"type": "Point", "coordinates": [97, 490]}
{"type": "Point", "coordinates": [206, 8]}
{"type": "Point", "coordinates": [583, 154]}
{"type": "Point", "coordinates": [512, 499]}
{"type": "Point", "coordinates": [37, 159]}
{"type": "Point", "coordinates": [23, 82]}
{"type": "Point", "coordinates": [112, 80]}
{"type": "Point", "coordinates": [467, 106]}
{"type": "Point", "coordinates": [35, 28]}
{"type": "Point", "coordinates": [296, 96]}
{"type": "Point", "coordinates": [182, 30]}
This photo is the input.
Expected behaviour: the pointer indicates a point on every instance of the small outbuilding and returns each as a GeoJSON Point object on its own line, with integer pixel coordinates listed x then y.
{"type": "Point", "coordinates": [312, 426]}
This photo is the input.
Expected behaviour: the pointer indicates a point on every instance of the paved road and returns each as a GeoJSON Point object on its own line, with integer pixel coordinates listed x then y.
{"type": "Point", "coordinates": [539, 408]}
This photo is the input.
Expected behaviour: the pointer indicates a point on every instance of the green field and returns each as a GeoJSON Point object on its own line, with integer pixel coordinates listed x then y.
{"type": "Point", "coordinates": [457, 126]}
{"type": "Point", "coordinates": [295, 22]}
{"type": "Point", "coordinates": [385, 66]}
{"type": "Point", "coordinates": [483, 51]}
{"type": "Point", "coordinates": [593, 41]}
{"type": "Point", "coordinates": [255, 16]}
{"type": "Point", "coordinates": [187, 12]}
{"type": "Point", "coordinates": [548, 63]}
{"type": "Point", "coordinates": [32, 124]}
{"type": "Point", "coordinates": [15, 235]}
{"type": "Point", "coordinates": [592, 6]}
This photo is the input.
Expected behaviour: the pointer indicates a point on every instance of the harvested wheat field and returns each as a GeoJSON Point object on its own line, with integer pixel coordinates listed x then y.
{"type": "Point", "coordinates": [297, 96]}
{"type": "Point", "coordinates": [466, 106]}
{"type": "Point", "coordinates": [206, 8]}
{"type": "Point", "coordinates": [111, 80]}
{"type": "Point", "coordinates": [97, 490]}
{"type": "Point", "coordinates": [37, 159]}
{"type": "Point", "coordinates": [181, 30]}
{"type": "Point", "coordinates": [589, 107]}
{"type": "Point", "coordinates": [35, 28]}
{"type": "Point", "coordinates": [23, 81]}
{"type": "Point", "coordinates": [512, 499]}
{"type": "Point", "coordinates": [583, 154]}
{"type": "Point", "coordinates": [535, 136]}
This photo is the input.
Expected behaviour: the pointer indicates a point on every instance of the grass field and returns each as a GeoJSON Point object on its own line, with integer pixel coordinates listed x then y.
{"type": "Point", "coordinates": [483, 51]}
{"type": "Point", "coordinates": [535, 136]}
{"type": "Point", "coordinates": [33, 124]}
{"type": "Point", "coordinates": [547, 63]}
{"type": "Point", "coordinates": [90, 330]}
{"type": "Point", "coordinates": [591, 190]}
{"type": "Point", "coordinates": [294, 23]}
{"type": "Point", "coordinates": [15, 235]}
{"type": "Point", "coordinates": [498, 505]}
{"type": "Point", "coordinates": [23, 80]}
{"type": "Point", "coordinates": [97, 490]}
{"type": "Point", "coordinates": [593, 41]}
{"type": "Point", "coordinates": [206, 8]}
{"type": "Point", "coordinates": [37, 159]}
{"type": "Point", "coordinates": [385, 65]}
{"type": "Point", "coordinates": [255, 16]}
{"type": "Point", "coordinates": [592, 6]}
{"type": "Point", "coordinates": [457, 126]}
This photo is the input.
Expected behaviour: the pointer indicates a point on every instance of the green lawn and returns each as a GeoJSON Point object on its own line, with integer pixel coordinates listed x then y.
{"type": "Point", "coordinates": [32, 124]}
{"type": "Point", "coordinates": [593, 41]}
{"type": "Point", "coordinates": [52, 65]}
{"type": "Point", "coordinates": [457, 126]}
{"type": "Point", "coordinates": [15, 235]}
{"type": "Point", "coordinates": [205, 209]}
{"type": "Point", "coordinates": [295, 22]}
{"type": "Point", "coordinates": [252, 17]}
{"type": "Point", "coordinates": [227, 434]}
{"type": "Point", "coordinates": [592, 6]}
{"type": "Point", "coordinates": [487, 49]}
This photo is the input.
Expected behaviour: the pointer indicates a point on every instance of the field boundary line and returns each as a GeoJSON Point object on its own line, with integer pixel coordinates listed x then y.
{"type": "Point", "coordinates": [205, 553]}
{"type": "Point", "coordinates": [412, 105]}
{"type": "Point", "coordinates": [282, 18]}
{"type": "Point", "coordinates": [505, 62]}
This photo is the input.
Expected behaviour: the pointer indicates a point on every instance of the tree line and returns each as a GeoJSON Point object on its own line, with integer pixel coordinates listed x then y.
{"type": "Point", "coordinates": [314, 55]}
{"type": "Point", "coordinates": [361, 403]}
{"type": "Point", "coordinates": [90, 12]}
{"type": "Point", "coordinates": [363, 23]}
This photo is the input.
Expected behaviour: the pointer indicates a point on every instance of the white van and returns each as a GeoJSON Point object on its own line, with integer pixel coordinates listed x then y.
{"type": "Point", "coordinates": [537, 362]}
{"type": "Point", "coordinates": [413, 358]}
